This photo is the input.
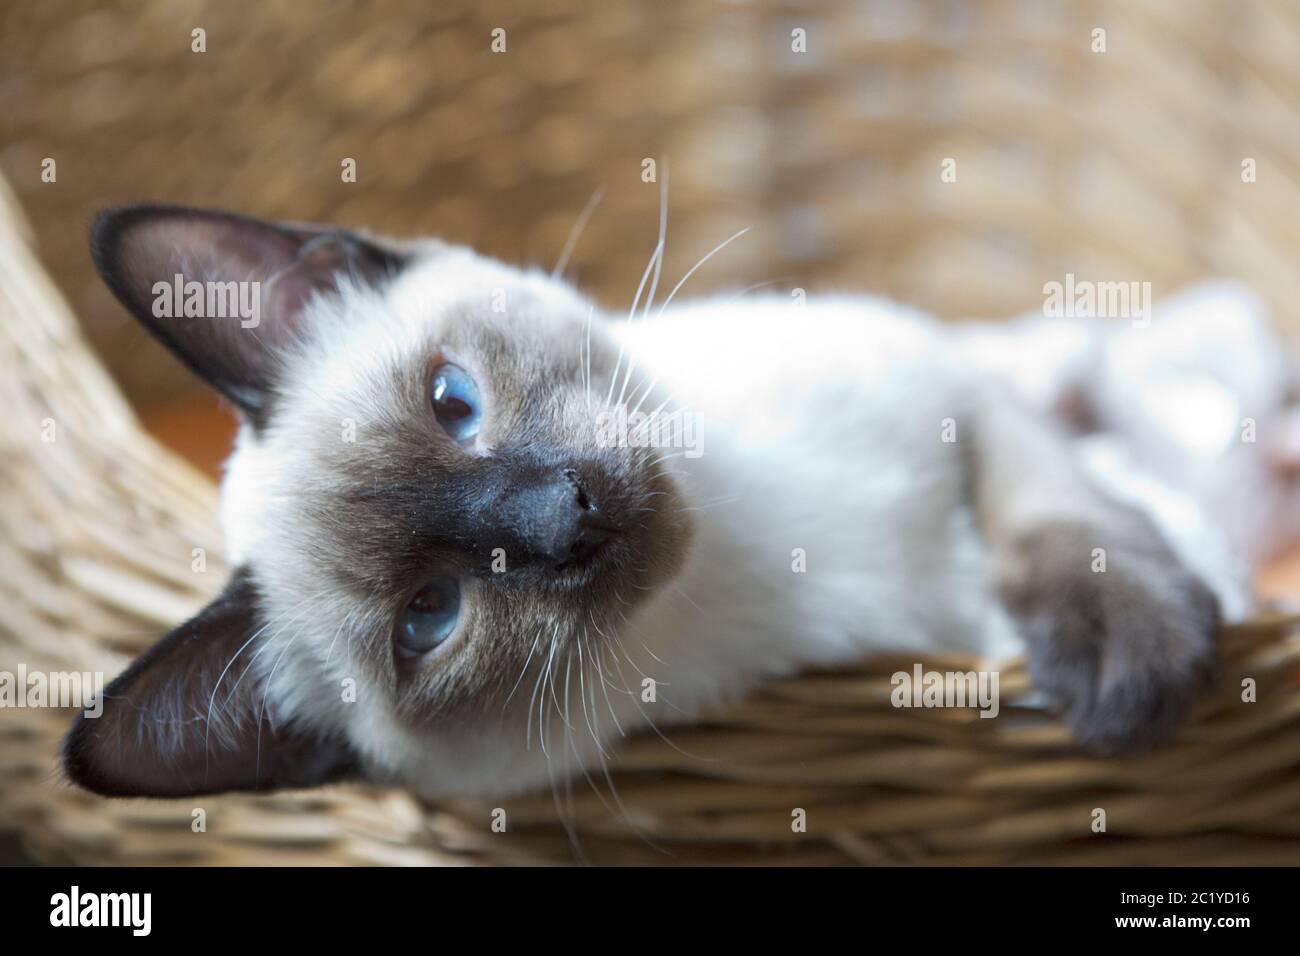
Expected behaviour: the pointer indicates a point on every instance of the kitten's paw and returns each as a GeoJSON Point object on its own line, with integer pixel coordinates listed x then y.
{"type": "Point", "coordinates": [1125, 651]}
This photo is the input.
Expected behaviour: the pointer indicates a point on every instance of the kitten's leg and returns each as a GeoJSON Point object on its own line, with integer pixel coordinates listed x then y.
{"type": "Point", "coordinates": [1118, 629]}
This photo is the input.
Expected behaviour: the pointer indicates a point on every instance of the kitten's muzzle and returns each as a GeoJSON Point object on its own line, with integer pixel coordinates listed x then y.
{"type": "Point", "coordinates": [556, 520]}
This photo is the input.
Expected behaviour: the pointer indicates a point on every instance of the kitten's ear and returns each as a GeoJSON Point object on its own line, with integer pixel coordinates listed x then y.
{"type": "Point", "coordinates": [260, 275]}
{"type": "Point", "coordinates": [154, 736]}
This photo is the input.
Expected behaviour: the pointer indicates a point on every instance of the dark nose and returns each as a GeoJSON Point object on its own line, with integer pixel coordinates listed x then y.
{"type": "Point", "coordinates": [559, 522]}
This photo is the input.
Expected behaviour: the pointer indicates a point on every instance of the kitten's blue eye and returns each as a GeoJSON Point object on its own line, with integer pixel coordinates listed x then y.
{"type": "Point", "coordinates": [429, 618]}
{"type": "Point", "coordinates": [455, 402]}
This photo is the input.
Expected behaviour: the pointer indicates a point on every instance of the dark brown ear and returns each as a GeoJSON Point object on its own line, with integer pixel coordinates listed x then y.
{"type": "Point", "coordinates": [189, 717]}
{"type": "Point", "coordinates": [241, 289]}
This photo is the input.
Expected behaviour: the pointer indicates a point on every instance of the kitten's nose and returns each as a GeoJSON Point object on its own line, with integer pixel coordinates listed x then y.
{"type": "Point", "coordinates": [560, 523]}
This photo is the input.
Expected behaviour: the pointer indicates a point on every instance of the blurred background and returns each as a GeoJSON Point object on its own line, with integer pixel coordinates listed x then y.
{"type": "Point", "coordinates": [1115, 156]}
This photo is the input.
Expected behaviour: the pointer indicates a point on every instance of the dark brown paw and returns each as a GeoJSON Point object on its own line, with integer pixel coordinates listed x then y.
{"type": "Point", "coordinates": [1125, 652]}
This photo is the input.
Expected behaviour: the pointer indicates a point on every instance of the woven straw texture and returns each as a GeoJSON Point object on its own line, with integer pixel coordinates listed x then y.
{"type": "Point", "coordinates": [1126, 164]}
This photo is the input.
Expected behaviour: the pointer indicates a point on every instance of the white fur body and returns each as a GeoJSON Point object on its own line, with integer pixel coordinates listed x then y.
{"type": "Point", "coordinates": [823, 430]}
{"type": "Point", "coordinates": [827, 457]}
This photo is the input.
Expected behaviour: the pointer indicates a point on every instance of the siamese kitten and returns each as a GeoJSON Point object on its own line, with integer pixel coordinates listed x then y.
{"type": "Point", "coordinates": [451, 577]}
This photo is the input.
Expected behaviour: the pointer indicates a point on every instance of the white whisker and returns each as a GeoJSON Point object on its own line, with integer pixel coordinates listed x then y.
{"type": "Point", "coordinates": [524, 670]}
{"type": "Point", "coordinates": [709, 255]}
{"type": "Point", "coordinates": [654, 285]}
{"type": "Point", "coordinates": [576, 232]}
{"type": "Point", "coordinates": [287, 618]}
{"type": "Point", "coordinates": [759, 285]}
{"type": "Point", "coordinates": [636, 300]}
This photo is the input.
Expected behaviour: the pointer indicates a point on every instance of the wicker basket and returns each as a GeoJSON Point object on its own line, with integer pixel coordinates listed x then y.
{"type": "Point", "coordinates": [1126, 164]}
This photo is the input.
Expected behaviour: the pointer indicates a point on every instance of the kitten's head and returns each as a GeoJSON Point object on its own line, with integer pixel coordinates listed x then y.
{"type": "Point", "coordinates": [418, 507]}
